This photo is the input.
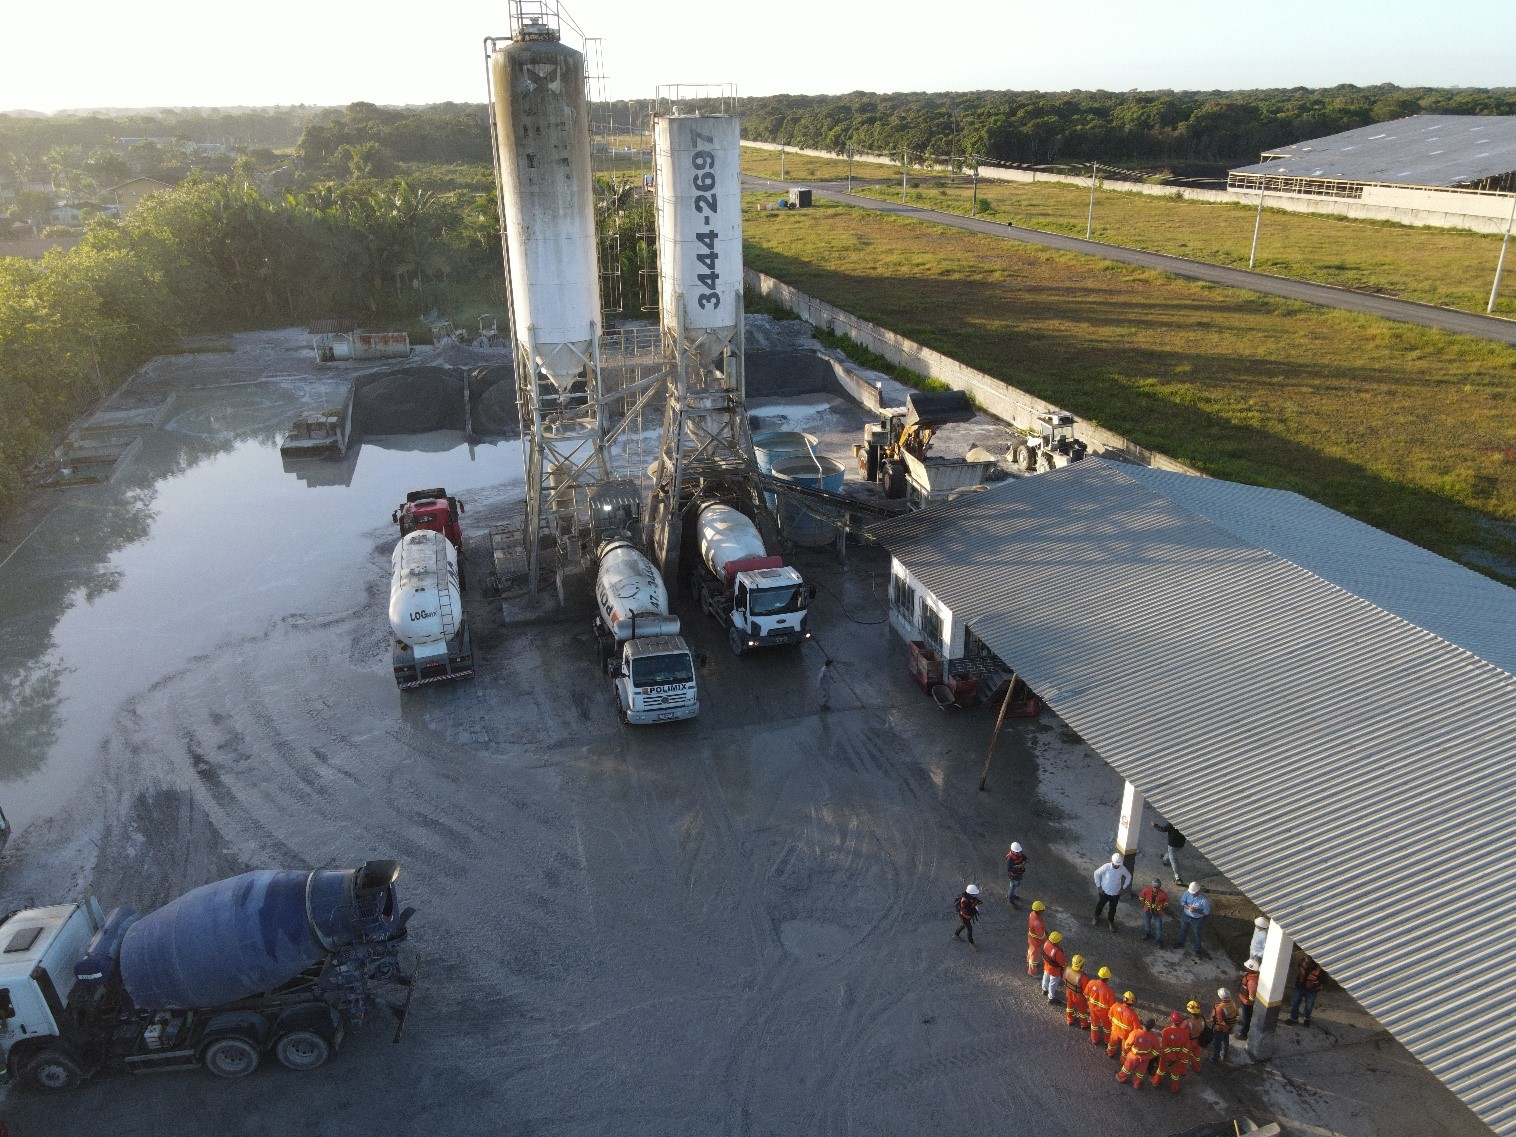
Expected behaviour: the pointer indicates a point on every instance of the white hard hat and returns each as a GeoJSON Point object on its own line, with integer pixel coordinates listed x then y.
{"type": "Point", "coordinates": [972, 890]}
{"type": "Point", "coordinates": [1261, 923]}
{"type": "Point", "coordinates": [1251, 965]}
{"type": "Point", "coordinates": [1223, 993]}
{"type": "Point", "coordinates": [1015, 846]}
{"type": "Point", "coordinates": [1115, 858]}
{"type": "Point", "coordinates": [1194, 887]}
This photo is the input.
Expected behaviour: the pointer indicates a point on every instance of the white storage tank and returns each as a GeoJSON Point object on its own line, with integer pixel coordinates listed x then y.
{"type": "Point", "coordinates": [547, 195]}
{"type": "Point", "coordinates": [699, 201]}
{"type": "Point", "coordinates": [630, 593]}
{"type": "Point", "coordinates": [426, 603]}
{"type": "Point", "coordinates": [727, 536]}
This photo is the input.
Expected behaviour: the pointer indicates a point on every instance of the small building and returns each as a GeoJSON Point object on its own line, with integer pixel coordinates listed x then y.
{"type": "Point", "coordinates": [129, 193]}
{"type": "Point", "coordinates": [66, 214]}
{"type": "Point", "coordinates": [1451, 163]}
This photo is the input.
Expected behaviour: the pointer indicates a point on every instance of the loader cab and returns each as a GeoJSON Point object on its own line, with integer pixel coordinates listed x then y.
{"type": "Point", "coordinates": [1055, 427]}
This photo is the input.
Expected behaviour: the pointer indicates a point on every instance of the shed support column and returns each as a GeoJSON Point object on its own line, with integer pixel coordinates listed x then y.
{"type": "Point", "coordinates": [1129, 829]}
{"type": "Point", "coordinates": [1273, 979]}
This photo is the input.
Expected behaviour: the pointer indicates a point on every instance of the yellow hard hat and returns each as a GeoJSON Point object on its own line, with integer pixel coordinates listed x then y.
{"type": "Point", "coordinates": [1103, 973]}
{"type": "Point", "coordinates": [1128, 997]}
{"type": "Point", "coordinates": [1055, 938]}
{"type": "Point", "coordinates": [1193, 1007]}
{"type": "Point", "coordinates": [1039, 906]}
{"type": "Point", "coordinates": [1076, 963]}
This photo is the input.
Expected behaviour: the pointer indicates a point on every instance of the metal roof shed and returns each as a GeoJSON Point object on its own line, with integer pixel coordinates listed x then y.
{"type": "Point", "coordinates": [1203, 636]}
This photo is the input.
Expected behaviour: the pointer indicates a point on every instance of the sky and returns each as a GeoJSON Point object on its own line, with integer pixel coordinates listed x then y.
{"type": "Point", "coordinates": [175, 53]}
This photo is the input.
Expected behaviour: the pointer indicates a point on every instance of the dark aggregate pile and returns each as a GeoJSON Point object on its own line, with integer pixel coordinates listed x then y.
{"type": "Point", "coordinates": [493, 390]}
{"type": "Point", "coordinates": [782, 374]}
{"type": "Point", "coordinates": [412, 400]}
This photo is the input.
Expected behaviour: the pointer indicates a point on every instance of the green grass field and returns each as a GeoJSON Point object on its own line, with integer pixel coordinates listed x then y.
{"type": "Point", "coordinates": [803, 167]}
{"type": "Point", "coordinates": [1406, 428]}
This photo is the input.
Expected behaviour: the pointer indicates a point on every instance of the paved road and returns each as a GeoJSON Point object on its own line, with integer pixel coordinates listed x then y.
{"type": "Point", "coordinates": [1406, 311]}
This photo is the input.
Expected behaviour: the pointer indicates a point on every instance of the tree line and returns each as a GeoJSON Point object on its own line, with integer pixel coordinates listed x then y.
{"type": "Point", "coordinates": [1209, 128]}
{"type": "Point", "coordinates": [216, 254]}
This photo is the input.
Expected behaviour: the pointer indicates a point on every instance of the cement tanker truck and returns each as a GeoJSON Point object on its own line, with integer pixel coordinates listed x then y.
{"type": "Point", "coordinates": [758, 599]}
{"type": "Point", "coordinates": [651, 666]}
{"type": "Point", "coordinates": [426, 611]}
{"type": "Point", "coordinates": [279, 962]}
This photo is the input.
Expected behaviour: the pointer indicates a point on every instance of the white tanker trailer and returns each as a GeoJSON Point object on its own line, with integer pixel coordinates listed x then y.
{"type": "Point", "coordinates": [640, 646]}
{"type": "Point", "coordinates": [426, 611]}
{"type": "Point", "coordinates": [758, 599]}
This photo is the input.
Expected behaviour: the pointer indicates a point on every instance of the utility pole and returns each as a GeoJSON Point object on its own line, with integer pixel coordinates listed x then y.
{"type": "Point", "coordinates": [781, 162]}
{"type": "Point", "coordinates": [974, 209]}
{"type": "Point", "coordinates": [1257, 225]}
{"type": "Point", "coordinates": [1500, 264]}
{"type": "Point", "coordinates": [904, 166]}
{"type": "Point", "coordinates": [1089, 225]}
{"type": "Point", "coordinates": [850, 167]}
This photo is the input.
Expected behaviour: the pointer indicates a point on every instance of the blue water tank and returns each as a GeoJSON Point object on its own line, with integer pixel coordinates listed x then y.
{"type": "Point", "coordinates": [797, 523]}
{"type": "Point", "coordinates": [774, 446]}
{"type": "Point", "coordinates": [221, 942]}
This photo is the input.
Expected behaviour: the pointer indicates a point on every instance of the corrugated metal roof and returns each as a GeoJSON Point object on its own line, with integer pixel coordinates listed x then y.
{"type": "Point", "coordinates": [1342, 765]}
{"type": "Point", "coordinates": [1423, 150]}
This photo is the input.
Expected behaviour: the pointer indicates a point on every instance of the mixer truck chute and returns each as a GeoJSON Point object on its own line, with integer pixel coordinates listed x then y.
{"type": "Point", "coordinates": [760, 600]}
{"type": "Point", "coordinates": [280, 962]}
{"type": "Point", "coordinates": [426, 611]}
{"type": "Point", "coordinates": [651, 666]}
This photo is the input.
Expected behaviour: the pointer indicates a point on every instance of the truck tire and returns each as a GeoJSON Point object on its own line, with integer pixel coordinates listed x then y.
{"type": "Point", "coordinates": [230, 1056]}
{"type": "Point", "coordinates": [52, 1070]}
{"type": "Point", "coordinates": [302, 1050]}
{"type": "Point", "coordinates": [736, 639]}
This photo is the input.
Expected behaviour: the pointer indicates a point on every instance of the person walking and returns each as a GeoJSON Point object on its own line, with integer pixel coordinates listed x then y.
{"type": "Point", "coordinates": [1036, 936]}
{"type": "Point", "coordinates": [1224, 1017]}
{"type": "Point", "coordinates": [1111, 880]}
{"type": "Point", "coordinates": [1015, 870]}
{"type": "Point", "coordinates": [1124, 1021]}
{"type": "Point", "coordinates": [967, 907]}
{"type": "Point", "coordinates": [1076, 1008]}
{"type": "Point", "coordinates": [1177, 1053]}
{"type": "Point", "coordinates": [1193, 909]}
{"type": "Point", "coordinates": [826, 679]}
{"type": "Point", "coordinates": [1171, 851]}
{"type": "Point", "coordinates": [1100, 997]}
{"type": "Point", "coordinates": [1154, 902]}
{"type": "Point", "coordinates": [1143, 1046]}
{"type": "Point", "coordinates": [1308, 980]}
{"type": "Point", "coordinates": [1247, 995]}
{"type": "Point", "coordinates": [1053, 961]}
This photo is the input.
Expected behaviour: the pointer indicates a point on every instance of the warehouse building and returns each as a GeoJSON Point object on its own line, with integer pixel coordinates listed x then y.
{"type": "Point", "coordinates": [1453, 163]}
{"type": "Point", "coordinates": [1327, 712]}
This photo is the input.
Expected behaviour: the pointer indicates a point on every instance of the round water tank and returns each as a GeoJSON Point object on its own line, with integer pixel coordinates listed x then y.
{"type": "Point", "coordinates": [797, 523]}
{"type": "Point", "coordinates": [547, 195]}
{"type": "Point", "coordinates": [696, 160]}
{"type": "Point", "coordinates": [776, 445]}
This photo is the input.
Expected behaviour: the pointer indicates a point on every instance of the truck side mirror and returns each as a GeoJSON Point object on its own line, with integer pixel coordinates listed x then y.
{"type": "Point", "coordinates": [810, 591]}
{"type": "Point", "coordinates": [7, 1008]}
{"type": "Point", "coordinates": [702, 661]}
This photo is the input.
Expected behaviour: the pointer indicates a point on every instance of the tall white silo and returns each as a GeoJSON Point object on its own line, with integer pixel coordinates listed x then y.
{"type": "Point", "coordinates": [547, 189]}
{"type": "Point", "coordinates": [699, 203]}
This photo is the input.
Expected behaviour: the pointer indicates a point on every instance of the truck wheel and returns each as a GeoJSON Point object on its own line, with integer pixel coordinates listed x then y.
{"type": "Point", "coordinates": [737, 640]}
{"type": "Point", "coordinates": [302, 1050]}
{"type": "Point", "coordinates": [53, 1070]}
{"type": "Point", "coordinates": [230, 1057]}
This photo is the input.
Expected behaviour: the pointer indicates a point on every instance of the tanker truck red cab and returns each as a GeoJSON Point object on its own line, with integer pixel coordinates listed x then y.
{"type": "Point", "coordinates": [271, 962]}
{"type": "Point", "coordinates": [431, 509]}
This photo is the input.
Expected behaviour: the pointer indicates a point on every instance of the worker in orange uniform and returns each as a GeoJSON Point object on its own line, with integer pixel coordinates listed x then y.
{"type": "Point", "coordinates": [1142, 1049]}
{"type": "Point", "coordinates": [1036, 936]}
{"type": "Point", "coordinates": [1194, 1022]}
{"type": "Point", "coordinates": [1098, 994]}
{"type": "Point", "coordinates": [1076, 1009]}
{"type": "Point", "coordinates": [1124, 1023]}
{"type": "Point", "coordinates": [1178, 1053]}
{"type": "Point", "coordinates": [1053, 963]}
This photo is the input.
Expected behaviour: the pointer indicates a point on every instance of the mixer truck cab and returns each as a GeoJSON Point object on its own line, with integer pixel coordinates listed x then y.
{"type": "Point", "coordinates": [655, 681]}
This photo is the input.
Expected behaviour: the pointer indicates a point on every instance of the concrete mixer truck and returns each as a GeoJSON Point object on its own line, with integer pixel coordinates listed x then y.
{"type": "Point", "coordinates": [431, 640]}
{"type": "Point", "coordinates": [650, 665]}
{"type": "Point", "coordinates": [758, 599]}
{"type": "Point", "coordinates": [269, 962]}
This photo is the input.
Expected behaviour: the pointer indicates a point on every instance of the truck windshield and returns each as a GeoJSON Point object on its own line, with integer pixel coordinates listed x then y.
{"type": "Point", "coordinates": [772, 601]}
{"type": "Point", "coordinates": [658, 670]}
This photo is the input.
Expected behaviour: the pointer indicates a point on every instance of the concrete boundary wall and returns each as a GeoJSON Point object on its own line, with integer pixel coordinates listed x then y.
{"type": "Point", "coordinates": [1009, 404]}
{"type": "Point", "coordinates": [1482, 213]}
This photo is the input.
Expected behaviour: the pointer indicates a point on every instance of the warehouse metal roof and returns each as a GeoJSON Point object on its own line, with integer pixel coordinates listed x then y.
{"type": "Point", "coordinates": [1423, 150]}
{"type": "Point", "coordinates": [1310, 723]}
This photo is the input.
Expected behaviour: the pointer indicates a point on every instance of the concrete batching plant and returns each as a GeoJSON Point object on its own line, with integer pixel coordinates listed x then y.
{"type": "Point", "coordinates": [540, 127]}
